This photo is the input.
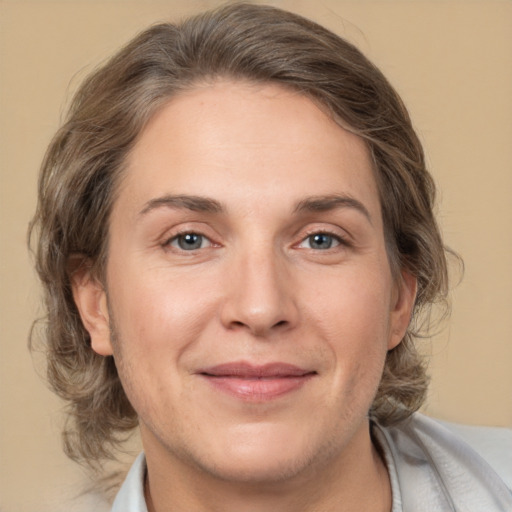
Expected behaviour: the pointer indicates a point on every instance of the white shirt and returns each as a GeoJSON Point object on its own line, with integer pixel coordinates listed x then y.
{"type": "Point", "coordinates": [433, 467]}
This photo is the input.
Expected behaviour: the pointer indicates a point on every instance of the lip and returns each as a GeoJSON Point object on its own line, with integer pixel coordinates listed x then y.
{"type": "Point", "coordinates": [256, 383]}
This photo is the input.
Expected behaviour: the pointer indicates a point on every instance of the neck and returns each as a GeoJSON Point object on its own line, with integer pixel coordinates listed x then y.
{"type": "Point", "coordinates": [354, 480]}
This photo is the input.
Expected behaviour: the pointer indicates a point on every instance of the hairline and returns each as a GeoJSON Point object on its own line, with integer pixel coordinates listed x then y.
{"type": "Point", "coordinates": [99, 264]}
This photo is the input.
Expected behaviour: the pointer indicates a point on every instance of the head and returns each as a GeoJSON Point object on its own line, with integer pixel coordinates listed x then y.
{"type": "Point", "coordinates": [88, 162]}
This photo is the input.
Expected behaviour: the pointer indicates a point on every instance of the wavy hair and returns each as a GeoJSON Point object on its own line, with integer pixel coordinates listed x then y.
{"type": "Point", "coordinates": [84, 162]}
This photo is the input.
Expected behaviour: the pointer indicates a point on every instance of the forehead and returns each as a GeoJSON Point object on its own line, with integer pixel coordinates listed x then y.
{"type": "Point", "coordinates": [238, 139]}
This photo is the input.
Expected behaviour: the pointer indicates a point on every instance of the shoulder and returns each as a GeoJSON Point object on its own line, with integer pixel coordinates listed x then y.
{"type": "Point", "coordinates": [449, 465]}
{"type": "Point", "coordinates": [493, 444]}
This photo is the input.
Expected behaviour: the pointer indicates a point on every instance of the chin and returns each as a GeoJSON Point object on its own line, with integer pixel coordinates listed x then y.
{"type": "Point", "coordinates": [258, 470]}
{"type": "Point", "coordinates": [265, 457]}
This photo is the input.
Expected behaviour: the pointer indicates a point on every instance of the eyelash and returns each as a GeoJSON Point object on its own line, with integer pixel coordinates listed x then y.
{"type": "Point", "coordinates": [336, 238]}
{"type": "Point", "coordinates": [176, 238]}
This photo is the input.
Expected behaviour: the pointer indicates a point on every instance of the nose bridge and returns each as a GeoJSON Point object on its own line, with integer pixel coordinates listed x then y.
{"type": "Point", "coordinates": [260, 296]}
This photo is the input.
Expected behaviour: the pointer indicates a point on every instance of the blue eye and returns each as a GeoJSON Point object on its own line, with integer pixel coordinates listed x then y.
{"type": "Point", "coordinates": [189, 241]}
{"type": "Point", "coordinates": [320, 241]}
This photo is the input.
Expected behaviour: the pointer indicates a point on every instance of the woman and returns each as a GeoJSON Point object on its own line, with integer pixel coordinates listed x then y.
{"type": "Point", "coordinates": [236, 229]}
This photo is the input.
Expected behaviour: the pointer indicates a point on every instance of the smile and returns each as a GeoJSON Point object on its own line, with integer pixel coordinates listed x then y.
{"type": "Point", "coordinates": [256, 383]}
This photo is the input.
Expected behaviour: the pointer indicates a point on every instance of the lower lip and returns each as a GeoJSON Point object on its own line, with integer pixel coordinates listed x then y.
{"type": "Point", "coordinates": [257, 389]}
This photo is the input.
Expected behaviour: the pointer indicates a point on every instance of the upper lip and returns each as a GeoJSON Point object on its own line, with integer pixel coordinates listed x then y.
{"type": "Point", "coordinates": [247, 370]}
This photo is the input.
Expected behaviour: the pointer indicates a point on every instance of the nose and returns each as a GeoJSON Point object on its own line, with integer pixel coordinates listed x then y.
{"type": "Point", "coordinates": [260, 296]}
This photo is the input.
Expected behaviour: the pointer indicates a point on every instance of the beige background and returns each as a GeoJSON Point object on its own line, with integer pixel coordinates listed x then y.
{"type": "Point", "coordinates": [451, 61]}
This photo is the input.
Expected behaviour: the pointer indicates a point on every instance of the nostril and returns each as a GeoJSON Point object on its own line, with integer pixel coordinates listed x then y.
{"type": "Point", "coordinates": [256, 328]}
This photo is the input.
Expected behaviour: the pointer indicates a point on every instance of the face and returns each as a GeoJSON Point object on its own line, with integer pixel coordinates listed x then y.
{"type": "Point", "coordinates": [250, 300]}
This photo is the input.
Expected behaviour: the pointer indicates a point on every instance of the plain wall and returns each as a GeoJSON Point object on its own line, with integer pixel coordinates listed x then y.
{"type": "Point", "coordinates": [452, 63]}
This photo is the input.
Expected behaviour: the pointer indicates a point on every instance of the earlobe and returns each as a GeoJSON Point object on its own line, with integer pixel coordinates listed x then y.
{"type": "Point", "coordinates": [91, 301]}
{"type": "Point", "coordinates": [402, 308]}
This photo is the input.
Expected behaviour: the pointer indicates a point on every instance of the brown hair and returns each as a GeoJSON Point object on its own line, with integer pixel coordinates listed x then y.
{"type": "Point", "coordinates": [85, 159]}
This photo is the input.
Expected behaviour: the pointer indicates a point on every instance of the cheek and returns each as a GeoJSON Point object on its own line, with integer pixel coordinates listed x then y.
{"type": "Point", "coordinates": [154, 323]}
{"type": "Point", "coordinates": [156, 308]}
{"type": "Point", "coordinates": [355, 308]}
{"type": "Point", "coordinates": [354, 319]}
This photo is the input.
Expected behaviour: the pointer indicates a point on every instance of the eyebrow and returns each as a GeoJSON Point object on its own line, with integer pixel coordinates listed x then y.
{"type": "Point", "coordinates": [193, 203]}
{"type": "Point", "coordinates": [332, 202]}
{"type": "Point", "coordinates": [205, 204]}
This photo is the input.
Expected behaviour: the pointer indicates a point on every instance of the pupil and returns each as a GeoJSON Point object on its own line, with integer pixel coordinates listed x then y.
{"type": "Point", "coordinates": [321, 241]}
{"type": "Point", "coordinates": [190, 241]}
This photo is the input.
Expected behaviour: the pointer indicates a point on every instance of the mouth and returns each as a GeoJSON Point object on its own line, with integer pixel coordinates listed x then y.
{"type": "Point", "coordinates": [256, 383]}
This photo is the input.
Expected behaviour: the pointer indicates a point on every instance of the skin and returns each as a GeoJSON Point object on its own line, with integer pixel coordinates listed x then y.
{"type": "Point", "coordinates": [275, 170]}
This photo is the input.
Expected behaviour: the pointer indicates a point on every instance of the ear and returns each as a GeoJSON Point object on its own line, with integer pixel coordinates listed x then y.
{"type": "Point", "coordinates": [403, 304]}
{"type": "Point", "coordinates": [91, 300]}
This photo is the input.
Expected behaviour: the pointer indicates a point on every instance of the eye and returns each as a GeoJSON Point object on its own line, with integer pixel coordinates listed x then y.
{"type": "Point", "coordinates": [189, 241]}
{"type": "Point", "coordinates": [320, 241]}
